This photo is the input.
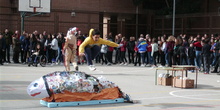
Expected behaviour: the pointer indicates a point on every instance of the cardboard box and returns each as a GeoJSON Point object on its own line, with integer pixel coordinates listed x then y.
{"type": "Point", "coordinates": [188, 83]}
{"type": "Point", "coordinates": [165, 81]}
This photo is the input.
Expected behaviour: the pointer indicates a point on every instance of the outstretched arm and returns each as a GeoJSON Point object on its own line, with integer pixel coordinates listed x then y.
{"type": "Point", "coordinates": [109, 43]}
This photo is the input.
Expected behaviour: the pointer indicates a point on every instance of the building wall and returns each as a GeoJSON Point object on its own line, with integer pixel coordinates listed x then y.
{"type": "Point", "coordinates": [206, 22]}
{"type": "Point", "coordinates": [190, 24]}
{"type": "Point", "coordinates": [122, 14]}
{"type": "Point", "coordinates": [87, 15]}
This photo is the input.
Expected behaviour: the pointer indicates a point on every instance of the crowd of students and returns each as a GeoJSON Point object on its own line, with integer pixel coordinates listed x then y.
{"type": "Point", "coordinates": [25, 44]}
{"type": "Point", "coordinates": [200, 50]}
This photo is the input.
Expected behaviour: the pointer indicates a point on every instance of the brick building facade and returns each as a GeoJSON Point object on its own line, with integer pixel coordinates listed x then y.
{"type": "Point", "coordinates": [116, 16]}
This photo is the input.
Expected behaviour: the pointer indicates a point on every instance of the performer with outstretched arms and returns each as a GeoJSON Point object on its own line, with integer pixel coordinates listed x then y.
{"type": "Point", "coordinates": [91, 46]}
{"type": "Point", "coordinates": [69, 49]}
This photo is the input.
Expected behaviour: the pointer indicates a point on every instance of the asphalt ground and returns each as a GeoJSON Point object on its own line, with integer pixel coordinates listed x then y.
{"type": "Point", "coordinates": [138, 82]}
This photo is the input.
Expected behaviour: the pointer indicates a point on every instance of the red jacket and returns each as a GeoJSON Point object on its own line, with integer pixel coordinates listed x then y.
{"type": "Point", "coordinates": [110, 48]}
{"type": "Point", "coordinates": [197, 44]}
{"type": "Point", "coordinates": [123, 48]}
{"type": "Point", "coordinates": [170, 46]}
{"type": "Point", "coordinates": [135, 48]}
{"type": "Point", "coordinates": [149, 48]}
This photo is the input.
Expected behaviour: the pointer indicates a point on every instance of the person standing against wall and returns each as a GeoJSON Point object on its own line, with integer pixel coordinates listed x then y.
{"type": "Point", "coordinates": [142, 48]}
{"type": "Point", "coordinates": [2, 48]}
{"type": "Point", "coordinates": [155, 51]}
{"type": "Point", "coordinates": [8, 43]}
{"type": "Point", "coordinates": [130, 47]}
{"type": "Point", "coordinates": [170, 48]}
{"type": "Point", "coordinates": [16, 44]}
{"type": "Point", "coordinates": [206, 53]}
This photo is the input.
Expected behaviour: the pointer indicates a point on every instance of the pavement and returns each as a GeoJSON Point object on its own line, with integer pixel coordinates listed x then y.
{"type": "Point", "coordinates": [138, 82]}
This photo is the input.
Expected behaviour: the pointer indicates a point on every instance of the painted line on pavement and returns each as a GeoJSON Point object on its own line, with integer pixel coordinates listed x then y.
{"type": "Point", "coordinates": [172, 93]}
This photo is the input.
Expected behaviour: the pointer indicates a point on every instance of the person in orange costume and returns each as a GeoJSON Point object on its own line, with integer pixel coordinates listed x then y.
{"type": "Point", "coordinates": [69, 49]}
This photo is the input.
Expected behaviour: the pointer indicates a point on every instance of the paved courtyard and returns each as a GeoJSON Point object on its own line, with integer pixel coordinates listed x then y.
{"type": "Point", "coordinates": [139, 82]}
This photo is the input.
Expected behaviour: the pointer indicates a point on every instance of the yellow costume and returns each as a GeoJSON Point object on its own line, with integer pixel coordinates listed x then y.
{"type": "Point", "coordinates": [89, 42]}
{"type": "Point", "coordinates": [91, 47]}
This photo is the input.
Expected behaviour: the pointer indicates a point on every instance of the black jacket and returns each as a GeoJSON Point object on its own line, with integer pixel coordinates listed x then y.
{"type": "Point", "coordinates": [2, 44]}
{"type": "Point", "coordinates": [206, 50]}
{"type": "Point", "coordinates": [217, 46]}
{"type": "Point", "coordinates": [182, 50]}
{"type": "Point", "coordinates": [131, 45]}
{"type": "Point", "coordinates": [191, 52]}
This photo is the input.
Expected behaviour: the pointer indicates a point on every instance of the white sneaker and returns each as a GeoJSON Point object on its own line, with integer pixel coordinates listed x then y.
{"type": "Point", "coordinates": [142, 65]}
{"type": "Point", "coordinates": [109, 64]}
{"type": "Point", "coordinates": [92, 68]}
{"type": "Point", "coordinates": [122, 64]}
{"type": "Point", "coordinates": [126, 64]}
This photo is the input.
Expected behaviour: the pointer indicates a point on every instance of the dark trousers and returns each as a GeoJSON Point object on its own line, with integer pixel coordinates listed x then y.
{"type": "Point", "coordinates": [170, 56]}
{"type": "Point", "coordinates": [117, 55]}
{"type": "Point", "coordinates": [137, 59]}
{"type": "Point", "coordinates": [16, 56]}
{"type": "Point", "coordinates": [103, 58]}
{"type": "Point", "coordinates": [122, 56]}
{"type": "Point", "coordinates": [109, 56]}
{"type": "Point", "coordinates": [22, 56]}
{"type": "Point", "coordinates": [163, 61]}
{"type": "Point", "coordinates": [143, 55]}
{"type": "Point", "coordinates": [183, 58]}
{"type": "Point", "coordinates": [159, 57]}
{"type": "Point", "coordinates": [1, 56]}
{"type": "Point", "coordinates": [192, 61]}
{"type": "Point", "coordinates": [91, 53]}
{"type": "Point", "coordinates": [206, 60]}
{"type": "Point", "coordinates": [53, 55]}
{"type": "Point", "coordinates": [131, 56]}
{"type": "Point", "coordinates": [7, 53]}
{"type": "Point", "coordinates": [26, 54]}
{"type": "Point", "coordinates": [217, 64]}
{"type": "Point", "coordinates": [176, 60]}
{"type": "Point", "coordinates": [155, 57]}
{"type": "Point", "coordinates": [49, 55]}
{"type": "Point", "coordinates": [98, 58]}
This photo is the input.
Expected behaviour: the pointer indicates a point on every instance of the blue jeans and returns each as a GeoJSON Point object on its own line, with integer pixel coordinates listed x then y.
{"type": "Point", "coordinates": [215, 54]}
{"type": "Point", "coordinates": [150, 58]}
{"type": "Point", "coordinates": [142, 57]}
{"type": "Point", "coordinates": [59, 55]}
{"type": "Point", "coordinates": [91, 53]}
{"type": "Point", "coordinates": [166, 58]}
{"type": "Point", "coordinates": [198, 59]}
